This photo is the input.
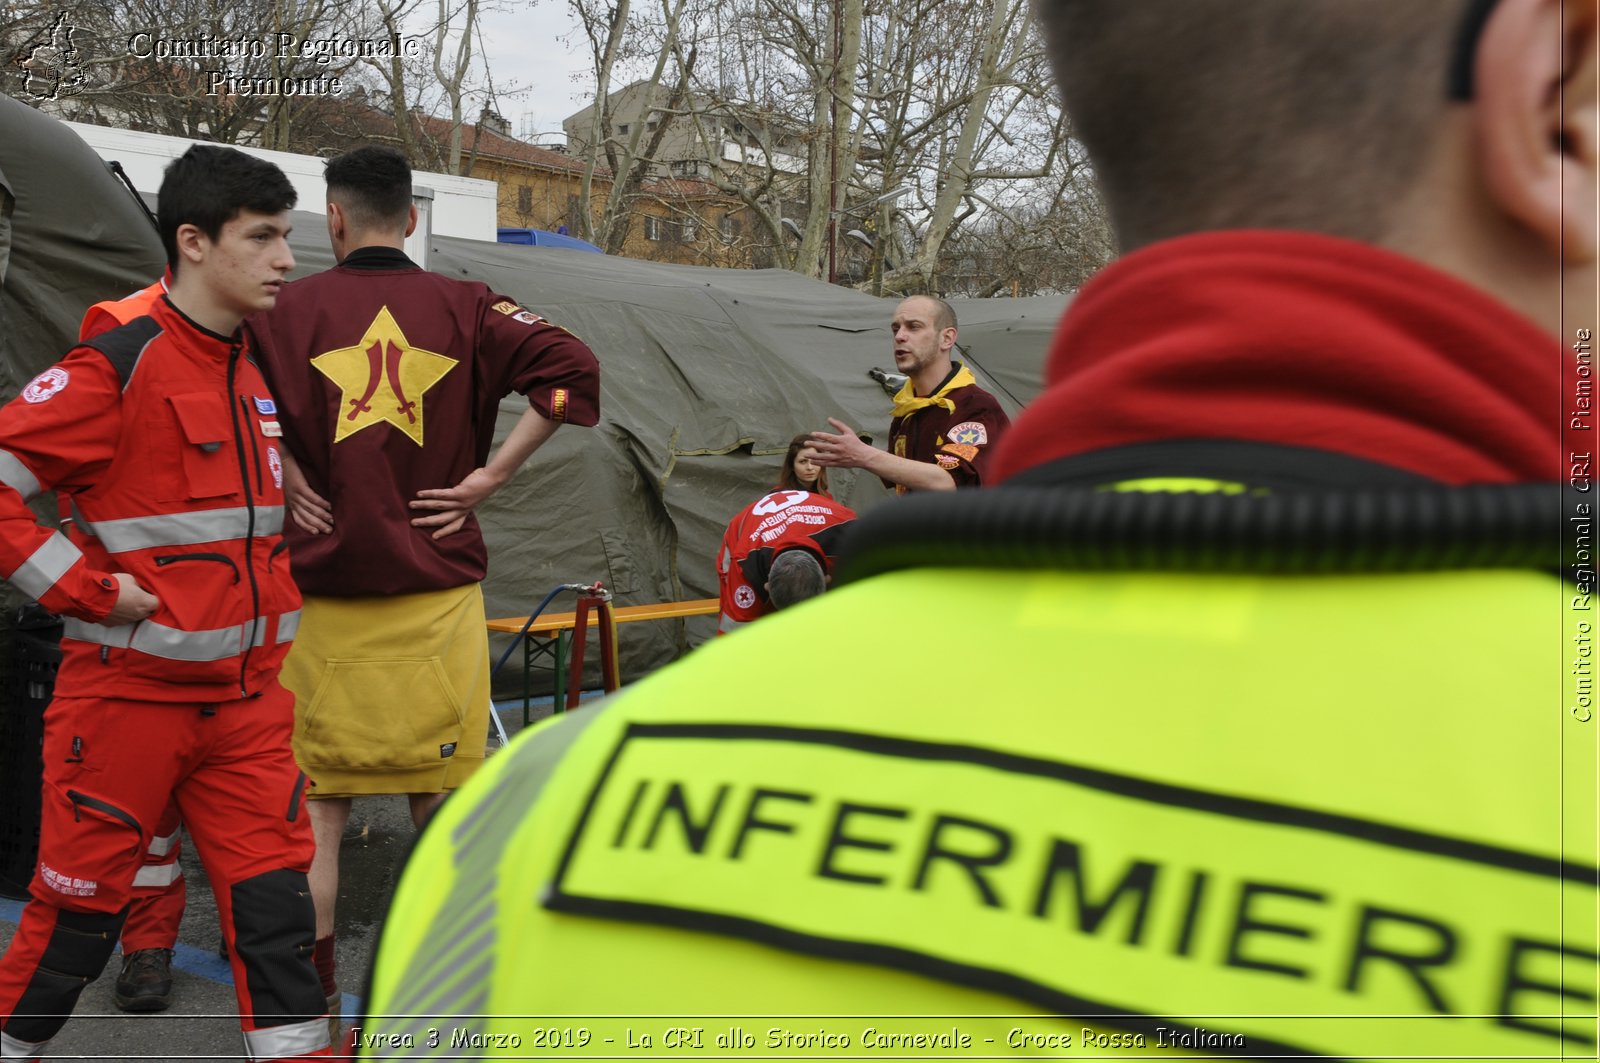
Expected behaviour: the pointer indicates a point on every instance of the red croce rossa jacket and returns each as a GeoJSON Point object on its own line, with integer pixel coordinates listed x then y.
{"type": "Point", "coordinates": [773, 523]}
{"type": "Point", "coordinates": [165, 438]}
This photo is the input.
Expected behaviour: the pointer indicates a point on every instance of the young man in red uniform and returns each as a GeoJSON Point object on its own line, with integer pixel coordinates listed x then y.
{"type": "Point", "coordinates": [177, 622]}
{"type": "Point", "coordinates": [150, 932]}
{"type": "Point", "coordinates": [766, 529]}
{"type": "Point", "coordinates": [944, 424]}
{"type": "Point", "coordinates": [390, 379]}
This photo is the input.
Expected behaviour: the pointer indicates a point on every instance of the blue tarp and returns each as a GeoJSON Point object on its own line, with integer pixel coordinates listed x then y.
{"type": "Point", "coordinates": [545, 238]}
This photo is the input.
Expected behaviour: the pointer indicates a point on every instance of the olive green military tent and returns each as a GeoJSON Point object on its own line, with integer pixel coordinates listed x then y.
{"type": "Point", "coordinates": [706, 375]}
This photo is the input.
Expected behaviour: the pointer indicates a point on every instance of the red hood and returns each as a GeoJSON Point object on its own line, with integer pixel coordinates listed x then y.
{"type": "Point", "coordinates": [1302, 340]}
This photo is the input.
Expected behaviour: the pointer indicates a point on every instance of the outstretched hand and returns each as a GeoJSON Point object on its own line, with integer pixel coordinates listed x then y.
{"type": "Point", "coordinates": [842, 451]}
{"type": "Point", "coordinates": [449, 507]}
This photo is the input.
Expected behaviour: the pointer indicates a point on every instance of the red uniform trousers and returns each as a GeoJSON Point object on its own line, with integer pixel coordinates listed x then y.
{"type": "Point", "coordinates": [159, 890]}
{"type": "Point", "coordinates": [110, 770]}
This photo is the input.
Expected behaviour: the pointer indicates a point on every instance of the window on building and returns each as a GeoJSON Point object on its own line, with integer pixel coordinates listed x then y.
{"type": "Point", "coordinates": [525, 200]}
{"type": "Point", "coordinates": [691, 228]}
{"type": "Point", "coordinates": [729, 226]}
{"type": "Point", "coordinates": [622, 130]}
{"type": "Point", "coordinates": [652, 227]}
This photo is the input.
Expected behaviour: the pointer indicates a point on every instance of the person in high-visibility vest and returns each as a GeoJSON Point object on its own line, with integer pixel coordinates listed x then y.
{"type": "Point", "coordinates": [1250, 715]}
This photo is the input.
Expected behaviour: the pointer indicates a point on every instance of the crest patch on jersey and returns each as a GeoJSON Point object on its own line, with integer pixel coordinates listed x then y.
{"type": "Point", "coordinates": [382, 378]}
{"type": "Point", "coordinates": [972, 433]}
{"type": "Point", "coordinates": [961, 450]}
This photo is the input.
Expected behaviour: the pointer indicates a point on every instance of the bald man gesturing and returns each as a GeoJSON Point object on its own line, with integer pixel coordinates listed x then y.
{"type": "Point", "coordinates": [944, 425]}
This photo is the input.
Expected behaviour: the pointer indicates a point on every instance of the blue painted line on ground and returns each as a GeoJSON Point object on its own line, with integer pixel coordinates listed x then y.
{"type": "Point", "coordinates": [201, 963]}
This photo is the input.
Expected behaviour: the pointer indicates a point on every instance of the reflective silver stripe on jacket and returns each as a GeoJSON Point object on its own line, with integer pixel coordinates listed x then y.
{"type": "Point", "coordinates": [16, 476]}
{"type": "Point", "coordinates": [288, 624]}
{"type": "Point", "coordinates": [12, 1048]}
{"type": "Point", "coordinates": [727, 623]}
{"type": "Point", "coordinates": [184, 529]}
{"type": "Point", "coordinates": [286, 1042]}
{"type": "Point", "coordinates": [174, 644]}
{"type": "Point", "coordinates": [163, 845]}
{"type": "Point", "coordinates": [152, 875]}
{"type": "Point", "coordinates": [35, 576]}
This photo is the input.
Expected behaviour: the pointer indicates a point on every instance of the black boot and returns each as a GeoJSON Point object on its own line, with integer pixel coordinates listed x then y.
{"type": "Point", "coordinates": [145, 983]}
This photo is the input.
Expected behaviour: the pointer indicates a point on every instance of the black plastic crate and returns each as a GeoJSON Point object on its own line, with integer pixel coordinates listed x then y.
{"type": "Point", "coordinates": [26, 684]}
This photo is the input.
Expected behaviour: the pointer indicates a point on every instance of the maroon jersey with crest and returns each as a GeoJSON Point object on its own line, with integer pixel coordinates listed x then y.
{"type": "Point", "coordinates": [388, 379]}
{"type": "Point", "coordinates": [959, 441]}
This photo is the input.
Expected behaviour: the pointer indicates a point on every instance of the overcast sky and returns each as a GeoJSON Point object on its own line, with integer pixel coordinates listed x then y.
{"type": "Point", "coordinates": [532, 43]}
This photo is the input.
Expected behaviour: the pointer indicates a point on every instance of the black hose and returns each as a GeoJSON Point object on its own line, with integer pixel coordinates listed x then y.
{"type": "Point", "coordinates": [1392, 530]}
{"type": "Point", "coordinates": [116, 168]}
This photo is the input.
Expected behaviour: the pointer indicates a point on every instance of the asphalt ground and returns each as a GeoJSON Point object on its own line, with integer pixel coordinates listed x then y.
{"type": "Point", "coordinates": [202, 1023]}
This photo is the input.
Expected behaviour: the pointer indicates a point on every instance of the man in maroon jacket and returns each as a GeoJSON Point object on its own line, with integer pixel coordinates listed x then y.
{"type": "Point", "coordinates": [390, 378]}
{"type": "Point", "coordinates": [944, 424]}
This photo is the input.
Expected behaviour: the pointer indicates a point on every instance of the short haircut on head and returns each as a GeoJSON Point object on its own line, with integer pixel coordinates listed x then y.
{"type": "Point", "coordinates": [944, 315]}
{"type": "Point", "coordinates": [207, 186]}
{"type": "Point", "coordinates": [1221, 114]}
{"type": "Point", "coordinates": [795, 575]}
{"type": "Point", "coordinates": [372, 184]}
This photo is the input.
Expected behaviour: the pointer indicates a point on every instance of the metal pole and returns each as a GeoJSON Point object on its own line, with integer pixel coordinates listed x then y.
{"type": "Point", "coordinates": [833, 147]}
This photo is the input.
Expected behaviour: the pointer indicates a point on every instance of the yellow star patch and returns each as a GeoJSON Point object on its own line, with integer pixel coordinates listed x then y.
{"type": "Point", "coordinates": [382, 378]}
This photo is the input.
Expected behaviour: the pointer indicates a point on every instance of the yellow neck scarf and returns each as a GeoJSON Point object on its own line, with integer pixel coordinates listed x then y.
{"type": "Point", "coordinates": [906, 401]}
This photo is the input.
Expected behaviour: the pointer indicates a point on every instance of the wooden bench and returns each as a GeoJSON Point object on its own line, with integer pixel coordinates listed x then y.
{"type": "Point", "coordinates": [551, 634]}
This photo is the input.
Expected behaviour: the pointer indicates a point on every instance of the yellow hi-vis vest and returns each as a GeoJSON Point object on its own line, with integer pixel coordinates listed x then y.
{"type": "Point", "coordinates": [1346, 816]}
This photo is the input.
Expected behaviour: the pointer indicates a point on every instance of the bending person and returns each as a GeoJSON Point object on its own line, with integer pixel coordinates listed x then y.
{"type": "Point", "coordinates": [758, 535]}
